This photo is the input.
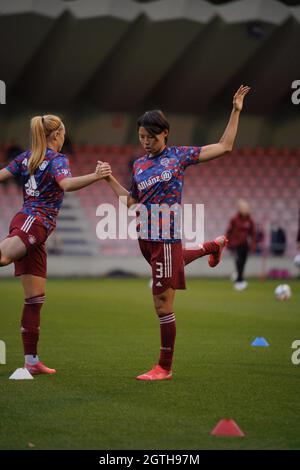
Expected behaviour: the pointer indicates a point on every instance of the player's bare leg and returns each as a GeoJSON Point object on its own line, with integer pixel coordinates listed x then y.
{"type": "Point", "coordinates": [33, 285]}
{"type": "Point", "coordinates": [34, 292]}
{"type": "Point", "coordinates": [11, 249]}
{"type": "Point", "coordinates": [164, 303]}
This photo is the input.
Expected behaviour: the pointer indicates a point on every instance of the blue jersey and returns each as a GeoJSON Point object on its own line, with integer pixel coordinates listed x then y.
{"type": "Point", "coordinates": [42, 194]}
{"type": "Point", "coordinates": [158, 180]}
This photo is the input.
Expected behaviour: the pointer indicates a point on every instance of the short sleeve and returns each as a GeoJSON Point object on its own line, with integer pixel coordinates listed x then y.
{"type": "Point", "coordinates": [61, 168]}
{"type": "Point", "coordinates": [190, 156]}
{"type": "Point", "coordinates": [14, 166]}
{"type": "Point", "coordinates": [133, 191]}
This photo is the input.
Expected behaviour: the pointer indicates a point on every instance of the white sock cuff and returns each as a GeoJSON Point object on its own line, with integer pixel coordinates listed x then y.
{"type": "Point", "coordinates": [167, 319]}
{"type": "Point", "coordinates": [38, 299]}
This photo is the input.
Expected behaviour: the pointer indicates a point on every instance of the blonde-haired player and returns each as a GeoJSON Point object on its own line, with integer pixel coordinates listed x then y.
{"type": "Point", "coordinates": [46, 176]}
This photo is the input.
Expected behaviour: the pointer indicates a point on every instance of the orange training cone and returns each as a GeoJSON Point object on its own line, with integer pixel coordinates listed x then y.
{"type": "Point", "coordinates": [227, 427]}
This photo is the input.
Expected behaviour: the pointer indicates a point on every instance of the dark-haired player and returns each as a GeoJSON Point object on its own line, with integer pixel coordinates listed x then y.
{"type": "Point", "coordinates": [45, 175]}
{"type": "Point", "coordinates": [158, 180]}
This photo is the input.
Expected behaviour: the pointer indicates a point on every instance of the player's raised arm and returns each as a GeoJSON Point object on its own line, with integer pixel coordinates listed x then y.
{"type": "Point", "coordinates": [79, 182]}
{"type": "Point", "coordinates": [225, 145]}
{"type": "Point", "coordinates": [5, 175]}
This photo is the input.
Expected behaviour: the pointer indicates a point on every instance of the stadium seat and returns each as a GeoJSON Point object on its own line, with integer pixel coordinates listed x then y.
{"type": "Point", "coordinates": [268, 178]}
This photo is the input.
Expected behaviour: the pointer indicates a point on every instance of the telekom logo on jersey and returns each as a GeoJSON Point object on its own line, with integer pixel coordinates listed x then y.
{"type": "Point", "coordinates": [184, 221]}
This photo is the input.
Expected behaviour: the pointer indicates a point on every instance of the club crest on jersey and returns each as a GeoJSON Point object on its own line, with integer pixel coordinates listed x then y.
{"type": "Point", "coordinates": [164, 161]}
{"type": "Point", "coordinates": [31, 239]}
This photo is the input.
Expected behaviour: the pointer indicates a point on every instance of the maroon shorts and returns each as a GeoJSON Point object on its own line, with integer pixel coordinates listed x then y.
{"type": "Point", "coordinates": [33, 234]}
{"type": "Point", "coordinates": [166, 260]}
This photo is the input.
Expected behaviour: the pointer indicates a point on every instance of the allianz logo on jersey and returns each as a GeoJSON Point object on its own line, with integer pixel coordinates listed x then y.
{"type": "Point", "coordinates": [31, 187]}
{"type": "Point", "coordinates": [166, 175]}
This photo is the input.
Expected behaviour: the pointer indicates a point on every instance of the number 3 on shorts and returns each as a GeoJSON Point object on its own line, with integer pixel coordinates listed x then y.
{"type": "Point", "coordinates": [159, 270]}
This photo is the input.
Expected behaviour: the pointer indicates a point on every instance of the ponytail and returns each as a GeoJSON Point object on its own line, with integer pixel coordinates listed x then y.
{"type": "Point", "coordinates": [41, 129]}
{"type": "Point", "coordinates": [38, 144]}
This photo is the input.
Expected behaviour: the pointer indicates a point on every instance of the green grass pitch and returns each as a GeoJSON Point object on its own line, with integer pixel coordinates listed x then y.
{"type": "Point", "coordinates": [99, 334]}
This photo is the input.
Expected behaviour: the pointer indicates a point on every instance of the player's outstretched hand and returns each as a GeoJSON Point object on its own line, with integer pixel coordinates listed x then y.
{"type": "Point", "coordinates": [103, 170]}
{"type": "Point", "coordinates": [239, 96]}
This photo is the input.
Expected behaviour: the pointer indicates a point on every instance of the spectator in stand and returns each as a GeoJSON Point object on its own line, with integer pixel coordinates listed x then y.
{"type": "Point", "coordinates": [260, 238]}
{"type": "Point", "coordinates": [241, 236]}
{"type": "Point", "coordinates": [278, 240]}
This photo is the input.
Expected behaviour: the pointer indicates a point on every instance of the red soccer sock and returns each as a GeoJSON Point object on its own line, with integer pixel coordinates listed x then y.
{"type": "Point", "coordinates": [30, 323]}
{"type": "Point", "coordinates": [206, 249]}
{"type": "Point", "coordinates": [167, 335]}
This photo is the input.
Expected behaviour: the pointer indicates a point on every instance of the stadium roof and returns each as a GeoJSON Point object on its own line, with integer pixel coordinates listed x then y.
{"type": "Point", "coordinates": [183, 55]}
